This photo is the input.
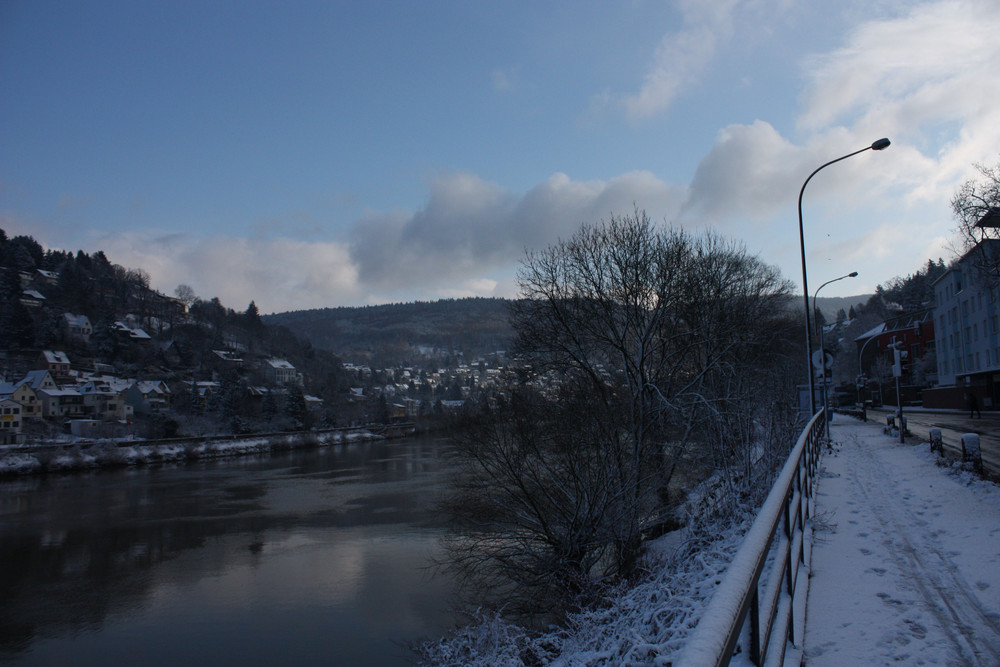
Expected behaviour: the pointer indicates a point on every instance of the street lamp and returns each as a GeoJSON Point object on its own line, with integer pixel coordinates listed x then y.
{"type": "Point", "coordinates": [822, 352]}
{"type": "Point", "coordinates": [861, 374]}
{"type": "Point", "coordinates": [879, 145]}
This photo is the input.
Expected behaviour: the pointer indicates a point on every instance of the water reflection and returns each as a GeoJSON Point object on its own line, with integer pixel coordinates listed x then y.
{"type": "Point", "coordinates": [305, 556]}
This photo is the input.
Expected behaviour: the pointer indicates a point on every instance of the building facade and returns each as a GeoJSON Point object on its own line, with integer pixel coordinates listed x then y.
{"type": "Point", "coordinates": [967, 332]}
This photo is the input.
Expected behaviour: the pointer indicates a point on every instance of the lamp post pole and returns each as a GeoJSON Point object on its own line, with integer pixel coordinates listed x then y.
{"type": "Point", "coordinates": [861, 374]}
{"type": "Point", "coordinates": [822, 352]}
{"type": "Point", "coordinates": [879, 145]}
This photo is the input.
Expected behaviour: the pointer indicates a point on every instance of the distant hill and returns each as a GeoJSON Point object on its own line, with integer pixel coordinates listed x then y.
{"type": "Point", "coordinates": [392, 333]}
{"type": "Point", "coordinates": [829, 305]}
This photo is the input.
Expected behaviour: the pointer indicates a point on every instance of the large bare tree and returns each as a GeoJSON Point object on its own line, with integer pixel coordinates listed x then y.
{"type": "Point", "coordinates": [641, 341]}
{"type": "Point", "coordinates": [976, 206]}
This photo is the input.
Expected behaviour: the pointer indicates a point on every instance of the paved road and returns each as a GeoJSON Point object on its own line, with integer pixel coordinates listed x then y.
{"type": "Point", "coordinates": [952, 426]}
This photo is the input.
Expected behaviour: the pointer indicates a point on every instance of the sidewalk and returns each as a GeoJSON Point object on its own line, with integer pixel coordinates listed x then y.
{"type": "Point", "coordinates": [906, 560]}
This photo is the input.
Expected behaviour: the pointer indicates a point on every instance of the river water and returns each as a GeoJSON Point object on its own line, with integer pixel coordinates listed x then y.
{"type": "Point", "coordinates": [307, 557]}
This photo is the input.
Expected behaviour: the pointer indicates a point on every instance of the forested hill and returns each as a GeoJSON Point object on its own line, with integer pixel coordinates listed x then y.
{"type": "Point", "coordinates": [472, 326]}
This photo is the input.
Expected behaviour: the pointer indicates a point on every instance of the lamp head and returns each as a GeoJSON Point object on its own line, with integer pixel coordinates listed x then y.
{"type": "Point", "coordinates": [881, 144]}
{"type": "Point", "coordinates": [852, 274]}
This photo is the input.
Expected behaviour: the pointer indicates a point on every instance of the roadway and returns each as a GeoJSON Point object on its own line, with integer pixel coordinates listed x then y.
{"type": "Point", "coordinates": [953, 424]}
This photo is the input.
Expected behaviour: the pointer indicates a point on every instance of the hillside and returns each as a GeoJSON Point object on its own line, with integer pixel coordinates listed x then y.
{"type": "Point", "coordinates": [395, 333]}
{"type": "Point", "coordinates": [829, 305]}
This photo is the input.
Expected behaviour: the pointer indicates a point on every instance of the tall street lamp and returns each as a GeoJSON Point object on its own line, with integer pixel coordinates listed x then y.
{"type": "Point", "coordinates": [879, 145]}
{"type": "Point", "coordinates": [822, 352]}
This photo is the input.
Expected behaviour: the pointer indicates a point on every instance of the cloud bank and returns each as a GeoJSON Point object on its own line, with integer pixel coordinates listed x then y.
{"type": "Point", "coordinates": [925, 78]}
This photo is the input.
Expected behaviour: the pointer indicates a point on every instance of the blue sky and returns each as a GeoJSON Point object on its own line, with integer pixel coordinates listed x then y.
{"type": "Point", "coordinates": [311, 154]}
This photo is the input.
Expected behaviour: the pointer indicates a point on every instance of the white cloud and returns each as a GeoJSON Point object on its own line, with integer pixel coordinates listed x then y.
{"type": "Point", "coordinates": [683, 55]}
{"type": "Point", "coordinates": [928, 78]}
{"type": "Point", "coordinates": [471, 227]}
{"type": "Point", "coordinates": [503, 80]}
{"type": "Point", "coordinates": [279, 274]}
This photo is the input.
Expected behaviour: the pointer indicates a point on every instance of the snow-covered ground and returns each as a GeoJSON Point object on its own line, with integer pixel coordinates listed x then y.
{"type": "Point", "coordinates": [111, 453]}
{"type": "Point", "coordinates": [906, 562]}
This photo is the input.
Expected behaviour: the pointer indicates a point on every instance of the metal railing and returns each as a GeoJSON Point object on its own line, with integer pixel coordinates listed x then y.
{"type": "Point", "coordinates": [759, 608]}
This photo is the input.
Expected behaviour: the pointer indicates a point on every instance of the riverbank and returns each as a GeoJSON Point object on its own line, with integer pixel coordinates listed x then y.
{"type": "Point", "coordinates": [72, 456]}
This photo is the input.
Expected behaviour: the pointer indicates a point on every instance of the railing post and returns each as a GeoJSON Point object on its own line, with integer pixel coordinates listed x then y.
{"type": "Point", "coordinates": [755, 648]}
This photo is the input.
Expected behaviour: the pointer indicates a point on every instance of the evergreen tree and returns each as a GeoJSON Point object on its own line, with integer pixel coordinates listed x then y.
{"type": "Point", "coordinates": [295, 405]}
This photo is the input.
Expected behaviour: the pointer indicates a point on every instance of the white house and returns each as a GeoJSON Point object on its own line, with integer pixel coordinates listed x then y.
{"type": "Point", "coordinates": [967, 334]}
{"type": "Point", "coordinates": [77, 327]}
{"type": "Point", "coordinates": [279, 371]}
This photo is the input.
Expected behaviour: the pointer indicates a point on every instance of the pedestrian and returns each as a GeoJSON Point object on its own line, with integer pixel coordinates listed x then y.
{"type": "Point", "coordinates": [973, 405]}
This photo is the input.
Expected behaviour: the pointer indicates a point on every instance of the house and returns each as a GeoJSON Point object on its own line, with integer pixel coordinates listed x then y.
{"type": "Point", "coordinates": [32, 298]}
{"type": "Point", "coordinates": [11, 421]}
{"type": "Point", "coordinates": [104, 399]}
{"type": "Point", "coordinates": [77, 327]}
{"type": "Point", "coordinates": [40, 379]}
{"type": "Point", "coordinates": [967, 306]}
{"type": "Point", "coordinates": [55, 362]}
{"type": "Point", "coordinates": [22, 392]}
{"type": "Point", "coordinates": [314, 404]}
{"type": "Point", "coordinates": [148, 396]}
{"type": "Point", "coordinates": [49, 278]}
{"type": "Point", "coordinates": [226, 359]}
{"type": "Point", "coordinates": [61, 403]}
{"type": "Point", "coordinates": [279, 371]}
{"type": "Point", "coordinates": [124, 329]}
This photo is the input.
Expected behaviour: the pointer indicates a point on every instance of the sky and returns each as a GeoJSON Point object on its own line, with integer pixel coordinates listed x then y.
{"type": "Point", "coordinates": [318, 154]}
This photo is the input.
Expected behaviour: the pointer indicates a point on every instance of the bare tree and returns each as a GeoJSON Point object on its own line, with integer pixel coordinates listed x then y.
{"type": "Point", "coordinates": [185, 294]}
{"type": "Point", "coordinates": [643, 341]}
{"type": "Point", "coordinates": [976, 207]}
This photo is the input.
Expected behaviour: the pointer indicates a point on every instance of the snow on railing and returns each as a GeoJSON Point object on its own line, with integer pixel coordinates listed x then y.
{"type": "Point", "coordinates": [759, 608]}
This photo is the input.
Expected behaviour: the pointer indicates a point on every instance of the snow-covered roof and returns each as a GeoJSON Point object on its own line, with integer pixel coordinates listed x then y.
{"type": "Point", "coordinates": [55, 357]}
{"type": "Point", "coordinates": [35, 379]}
{"type": "Point", "coordinates": [872, 332]}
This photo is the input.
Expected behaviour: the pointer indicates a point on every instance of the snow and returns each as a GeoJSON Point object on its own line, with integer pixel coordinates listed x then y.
{"type": "Point", "coordinates": [645, 624]}
{"type": "Point", "coordinates": [76, 456]}
{"type": "Point", "coordinates": [709, 639]}
{"type": "Point", "coordinates": [906, 557]}
{"type": "Point", "coordinates": [905, 569]}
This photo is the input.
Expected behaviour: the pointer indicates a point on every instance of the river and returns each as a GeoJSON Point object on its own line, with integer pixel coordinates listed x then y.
{"type": "Point", "coordinates": [306, 557]}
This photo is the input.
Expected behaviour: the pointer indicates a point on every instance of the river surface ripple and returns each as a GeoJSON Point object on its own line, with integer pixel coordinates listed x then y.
{"type": "Point", "coordinates": [305, 557]}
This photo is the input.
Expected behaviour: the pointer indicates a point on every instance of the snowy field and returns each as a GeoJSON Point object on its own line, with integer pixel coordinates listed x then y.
{"type": "Point", "coordinates": [906, 562]}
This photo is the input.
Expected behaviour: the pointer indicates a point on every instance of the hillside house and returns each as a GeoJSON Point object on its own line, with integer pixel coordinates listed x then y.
{"type": "Point", "coordinates": [77, 327]}
{"type": "Point", "coordinates": [56, 363]}
{"type": "Point", "coordinates": [40, 379]}
{"type": "Point", "coordinates": [61, 403]}
{"type": "Point", "coordinates": [11, 421]}
{"type": "Point", "coordinates": [105, 400]}
{"type": "Point", "coordinates": [22, 392]}
{"type": "Point", "coordinates": [148, 396]}
{"type": "Point", "coordinates": [279, 371]}
{"type": "Point", "coordinates": [32, 298]}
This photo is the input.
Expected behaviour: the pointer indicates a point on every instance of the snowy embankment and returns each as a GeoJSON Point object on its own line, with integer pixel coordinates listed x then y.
{"type": "Point", "coordinates": [109, 454]}
{"type": "Point", "coordinates": [645, 623]}
{"type": "Point", "coordinates": [906, 560]}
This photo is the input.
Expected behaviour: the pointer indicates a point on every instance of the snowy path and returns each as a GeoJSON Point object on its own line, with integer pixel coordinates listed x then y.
{"type": "Point", "coordinates": [906, 564]}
